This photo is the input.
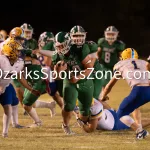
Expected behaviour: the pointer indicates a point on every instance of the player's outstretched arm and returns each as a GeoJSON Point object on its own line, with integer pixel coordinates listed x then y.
{"type": "Point", "coordinates": [47, 53]}
{"type": "Point", "coordinates": [90, 127]}
{"type": "Point", "coordinates": [108, 88]}
{"type": "Point", "coordinates": [24, 82]}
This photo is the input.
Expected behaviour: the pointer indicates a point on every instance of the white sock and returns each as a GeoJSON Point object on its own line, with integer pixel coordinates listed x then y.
{"type": "Point", "coordinates": [42, 104]}
{"type": "Point", "coordinates": [139, 129]}
{"type": "Point", "coordinates": [15, 115]}
{"type": "Point", "coordinates": [127, 120]}
{"type": "Point", "coordinates": [33, 114]}
{"type": "Point", "coordinates": [6, 119]}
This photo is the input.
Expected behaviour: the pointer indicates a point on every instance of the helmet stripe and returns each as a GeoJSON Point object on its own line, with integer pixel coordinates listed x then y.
{"type": "Point", "coordinates": [78, 29]}
{"type": "Point", "coordinates": [132, 51]}
{"type": "Point", "coordinates": [56, 37]}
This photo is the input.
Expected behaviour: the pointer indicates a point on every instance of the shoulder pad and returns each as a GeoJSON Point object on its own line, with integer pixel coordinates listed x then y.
{"type": "Point", "coordinates": [101, 40]}
{"type": "Point", "coordinates": [91, 42]}
{"type": "Point", "coordinates": [120, 42]}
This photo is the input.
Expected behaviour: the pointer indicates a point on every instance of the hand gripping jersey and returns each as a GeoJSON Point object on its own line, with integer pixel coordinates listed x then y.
{"type": "Point", "coordinates": [133, 70]}
{"type": "Point", "coordinates": [6, 70]}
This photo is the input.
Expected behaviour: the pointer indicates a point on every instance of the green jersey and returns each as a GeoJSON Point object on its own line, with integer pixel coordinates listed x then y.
{"type": "Point", "coordinates": [31, 44]}
{"type": "Point", "coordinates": [34, 69]}
{"type": "Point", "coordinates": [93, 46]}
{"type": "Point", "coordinates": [110, 53]}
{"type": "Point", "coordinates": [73, 58]}
{"type": "Point", "coordinates": [93, 49]}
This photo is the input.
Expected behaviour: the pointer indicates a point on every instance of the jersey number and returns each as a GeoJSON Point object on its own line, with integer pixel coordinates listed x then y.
{"type": "Point", "coordinates": [107, 57]}
{"type": "Point", "coordinates": [41, 59]}
{"type": "Point", "coordinates": [134, 64]}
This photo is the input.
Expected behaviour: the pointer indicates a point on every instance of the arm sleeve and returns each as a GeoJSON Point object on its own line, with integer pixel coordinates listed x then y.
{"type": "Point", "coordinates": [100, 41]}
{"type": "Point", "coordinates": [54, 59]}
{"type": "Point", "coordinates": [94, 48]}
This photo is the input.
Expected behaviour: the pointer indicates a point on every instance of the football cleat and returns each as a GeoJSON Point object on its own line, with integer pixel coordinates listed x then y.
{"type": "Point", "coordinates": [141, 135]}
{"type": "Point", "coordinates": [36, 124]}
{"type": "Point", "coordinates": [4, 135]}
{"type": "Point", "coordinates": [18, 126]}
{"type": "Point", "coordinates": [67, 130]}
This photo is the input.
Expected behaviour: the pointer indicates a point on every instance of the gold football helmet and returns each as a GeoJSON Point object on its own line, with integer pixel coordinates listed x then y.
{"type": "Point", "coordinates": [16, 32]}
{"type": "Point", "coordinates": [129, 53]}
{"type": "Point", "coordinates": [11, 50]}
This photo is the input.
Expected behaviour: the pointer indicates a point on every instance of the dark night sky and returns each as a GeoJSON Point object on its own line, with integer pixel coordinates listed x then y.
{"type": "Point", "coordinates": [131, 18]}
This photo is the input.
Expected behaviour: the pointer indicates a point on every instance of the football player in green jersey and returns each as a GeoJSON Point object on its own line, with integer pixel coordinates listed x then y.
{"type": "Point", "coordinates": [109, 50]}
{"type": "Point", "coordinates": [74, 87]}
{"type": "Point", "coordinates": [29, 44]}
{"type": "Point", "coordinates": [78, 38]}
{"type": "Point", "coordinates": [35, 84]}
{"type": "Point", "coordinates": [46, 42]}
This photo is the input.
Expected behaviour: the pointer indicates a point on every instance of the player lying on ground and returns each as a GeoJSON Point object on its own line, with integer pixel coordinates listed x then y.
{"type": "Point", "coordinates": [140, 95]}
{"type": "Point", "coordinates": [105, 119]}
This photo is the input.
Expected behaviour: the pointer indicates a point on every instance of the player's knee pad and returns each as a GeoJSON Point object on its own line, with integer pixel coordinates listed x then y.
{"type": "Point", "coordinates": [127, 120]}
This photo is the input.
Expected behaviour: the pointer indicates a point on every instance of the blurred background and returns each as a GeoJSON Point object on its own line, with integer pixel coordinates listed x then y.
{"type": "Point", "coordinates": [130, 17]}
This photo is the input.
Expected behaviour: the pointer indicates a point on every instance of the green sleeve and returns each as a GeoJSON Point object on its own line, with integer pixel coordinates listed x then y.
{"type": "Point", "coordinates": [100, 41]}
{"type": "Point", "coordinates": [85, 51]}
{"type": "Point", "coordinates": [49, 46]}
{"type": "Point", "coordinates": [93, 48]}
{"type": "Point", "coordinates": [121, 46]}
{"type": "Point", "coordinates": [55, 58]}
{"type": "Point", "coordinates": [36, 44]}
{"type": "Point", "coordinates": [28, 52]}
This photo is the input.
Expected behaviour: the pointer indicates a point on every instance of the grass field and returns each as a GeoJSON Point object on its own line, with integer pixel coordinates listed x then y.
{"type": "Point", "coordinates": [51, 136]}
